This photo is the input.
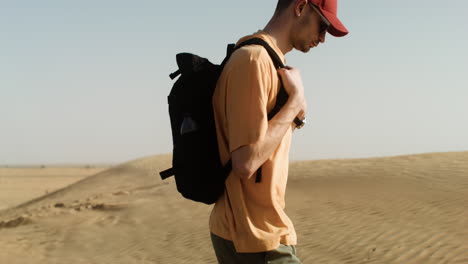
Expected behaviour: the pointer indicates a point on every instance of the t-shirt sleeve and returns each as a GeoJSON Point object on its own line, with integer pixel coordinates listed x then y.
{"type": "Point", "coordinates": [248, 87]}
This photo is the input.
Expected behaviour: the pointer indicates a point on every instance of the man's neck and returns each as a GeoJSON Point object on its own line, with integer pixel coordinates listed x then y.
{"type": "Point", "coordinates": [279, 32]}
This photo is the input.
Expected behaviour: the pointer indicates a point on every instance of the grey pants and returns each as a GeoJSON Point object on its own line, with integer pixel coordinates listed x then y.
{"type": "Point", "coordinates": [226, 254]}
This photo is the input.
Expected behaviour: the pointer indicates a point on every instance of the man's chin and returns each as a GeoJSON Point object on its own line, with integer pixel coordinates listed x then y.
{"type": "Point", "coordinates": [306, 49]}
{"type": "Point", "coordinates": [303, 48]}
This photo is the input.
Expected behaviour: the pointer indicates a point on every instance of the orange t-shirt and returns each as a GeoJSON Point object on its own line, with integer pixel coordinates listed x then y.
{"type": "Point", "coordinates": [248, 213]}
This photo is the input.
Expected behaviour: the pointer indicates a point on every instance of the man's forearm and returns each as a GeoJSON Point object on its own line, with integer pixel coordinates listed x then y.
{"type": "Point", "coordinates": [247, 159]}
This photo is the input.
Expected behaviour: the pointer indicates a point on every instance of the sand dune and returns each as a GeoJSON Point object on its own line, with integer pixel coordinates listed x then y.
{"type": "Point", "coordinates": [18, 185]}
{"type": "Point", "coordinates": [405, 209]}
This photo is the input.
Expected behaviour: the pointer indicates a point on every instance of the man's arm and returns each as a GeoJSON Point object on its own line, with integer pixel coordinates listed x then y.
{"type": "Point", "coordinates": [248, 158]}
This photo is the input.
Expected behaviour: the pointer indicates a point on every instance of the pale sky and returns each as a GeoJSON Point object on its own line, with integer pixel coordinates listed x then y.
{"type": "Point", "coordinates": [87, 81]}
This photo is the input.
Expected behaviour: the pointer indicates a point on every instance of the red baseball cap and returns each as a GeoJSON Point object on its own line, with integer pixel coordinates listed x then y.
{"type": "Point", "coordinates": [329, 11]}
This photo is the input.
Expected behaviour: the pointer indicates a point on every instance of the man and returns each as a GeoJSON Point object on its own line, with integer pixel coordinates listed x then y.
{"type": "Point", "coordinates": [248, 223]}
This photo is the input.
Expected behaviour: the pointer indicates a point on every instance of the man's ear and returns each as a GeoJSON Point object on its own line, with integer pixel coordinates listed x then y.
{"type": "Point", "coordinates": [299, 7]}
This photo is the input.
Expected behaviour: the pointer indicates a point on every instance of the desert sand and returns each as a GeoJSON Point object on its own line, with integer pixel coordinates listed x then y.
{"type": "Point", "coordinates": [22, 184]}
{"type": "Point", "coordinates": [402, 210]}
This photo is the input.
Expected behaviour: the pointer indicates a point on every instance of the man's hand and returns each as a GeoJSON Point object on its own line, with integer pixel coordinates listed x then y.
{"type": "Point", "coordinates": [292, 82]}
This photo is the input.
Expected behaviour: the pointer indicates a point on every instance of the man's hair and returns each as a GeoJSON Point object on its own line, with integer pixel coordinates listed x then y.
{"type": "Point", "coordinates": [282, 5]}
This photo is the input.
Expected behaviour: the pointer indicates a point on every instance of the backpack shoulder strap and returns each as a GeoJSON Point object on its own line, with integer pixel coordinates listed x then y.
{"type": "Point", "coordinates": [258, 41]}
{"type": "Point", "coordinates": [282, 94]}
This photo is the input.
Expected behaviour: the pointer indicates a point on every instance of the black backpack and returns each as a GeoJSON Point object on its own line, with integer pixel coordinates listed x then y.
{"type": "Point", "coordinates": [196, 164]}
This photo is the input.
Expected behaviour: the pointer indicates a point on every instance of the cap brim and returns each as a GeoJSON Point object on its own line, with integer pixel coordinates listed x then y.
{"type": "Point", "coordinates": [336, 28]}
